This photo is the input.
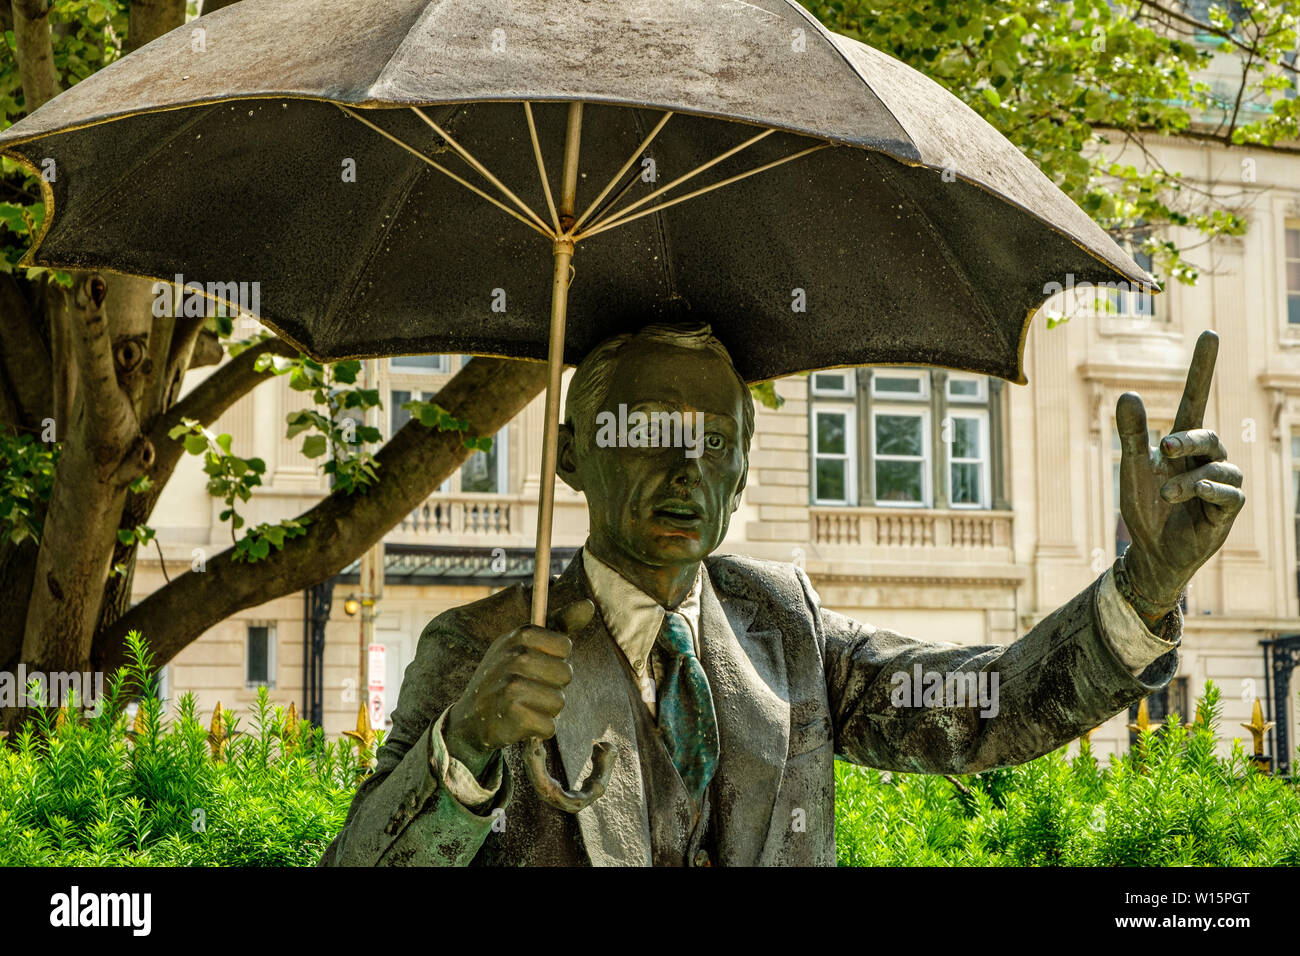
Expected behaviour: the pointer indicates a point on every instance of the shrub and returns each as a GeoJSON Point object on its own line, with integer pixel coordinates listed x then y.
{"type": "Point", "coordinates": [1172, 802]}
{"type": "Point", "coordinates": [106, 791]}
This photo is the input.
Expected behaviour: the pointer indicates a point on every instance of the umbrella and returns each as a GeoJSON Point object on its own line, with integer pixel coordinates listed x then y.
{"type": "Point", "coordinates": [408, 176]}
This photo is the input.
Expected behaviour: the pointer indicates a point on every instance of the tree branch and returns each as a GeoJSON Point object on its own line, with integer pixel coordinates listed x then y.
{"type": "Point", "coordinates": [150, 19]}
{"type": "Point", "coordinates": [206, 403]}
{"type": "Point", "coordinates": [35, 51]}
{"type": "Point", "coordinates": [487, 392]}
{"type": "Point", "coordinates": [1212, 30]}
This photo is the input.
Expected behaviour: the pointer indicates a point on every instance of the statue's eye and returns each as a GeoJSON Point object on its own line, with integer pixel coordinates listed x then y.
{"type": "Point", "coordinates": [714, 442]}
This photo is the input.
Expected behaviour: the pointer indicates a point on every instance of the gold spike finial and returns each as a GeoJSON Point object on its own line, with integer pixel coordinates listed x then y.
{"type": "Point", "coordinates": [1258, 727]}
{"type": "Point", "coordinates": [1143, 722]}
{"type": "Point", "coordinates": [363, 735]}
{"type": "Point", "coordinates": [217, 735]}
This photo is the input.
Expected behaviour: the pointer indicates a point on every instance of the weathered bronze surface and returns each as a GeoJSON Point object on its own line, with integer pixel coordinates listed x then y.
{"type": "Point", "coordinates": [793, 684]}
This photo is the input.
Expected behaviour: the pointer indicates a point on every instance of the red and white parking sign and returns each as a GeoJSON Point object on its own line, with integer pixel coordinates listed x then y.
{"type": "Point", "coordinates": [376, 668]}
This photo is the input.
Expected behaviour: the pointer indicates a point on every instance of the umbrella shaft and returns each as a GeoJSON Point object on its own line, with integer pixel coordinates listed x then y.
{"type": "Point", "coordinates": [555, 368]}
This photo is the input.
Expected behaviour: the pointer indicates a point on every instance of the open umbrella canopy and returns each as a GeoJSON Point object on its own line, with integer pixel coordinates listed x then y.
{"type": "Point", "coordinates": [275, 143]}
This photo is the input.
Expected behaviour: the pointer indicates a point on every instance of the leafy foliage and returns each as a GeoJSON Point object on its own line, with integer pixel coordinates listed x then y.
{"type": "Point", "coordinates": [111, 792]}
{"type": "Point", "coordinates": [26, 480]}
{"type": "Point", "coordinates": [232, 478]}
{"type": "Point", "coordinates": [107, 791]}
{"type": "Point", "coordinates": [1064, 80]}
{"type": "Point", "coordinates": [1176, 805]}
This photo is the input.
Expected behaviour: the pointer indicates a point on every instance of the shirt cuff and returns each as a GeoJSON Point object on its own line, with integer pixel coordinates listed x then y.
{"type": "Point", "coordinates": [458, 778]}
{"type": "Point", "coordinates": [1125, 630]}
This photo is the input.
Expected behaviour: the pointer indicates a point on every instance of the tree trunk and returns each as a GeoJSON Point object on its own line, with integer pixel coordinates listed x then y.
{"type": "Point", "coordinates": [486, 392]}
{"type": "Point", "coordinates": [104, 452]}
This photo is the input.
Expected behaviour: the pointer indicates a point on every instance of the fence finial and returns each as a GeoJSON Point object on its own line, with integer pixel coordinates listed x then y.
{"type": "Point", "coordinates": [1258, 727]}
{"type": "Point", "coordinates": [217, 735]}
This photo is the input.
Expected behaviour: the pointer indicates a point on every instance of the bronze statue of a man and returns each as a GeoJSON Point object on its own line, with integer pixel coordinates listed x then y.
{"type": "Point", "coordinates": [724, 686]}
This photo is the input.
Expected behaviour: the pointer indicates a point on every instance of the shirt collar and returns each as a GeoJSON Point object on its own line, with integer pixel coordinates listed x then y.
{"type": "Point", "coordinates": [632, 616]}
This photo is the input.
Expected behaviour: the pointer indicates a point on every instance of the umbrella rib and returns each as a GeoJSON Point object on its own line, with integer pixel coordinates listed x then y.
{"type": "Point", "coordinates": [541, 167]}
{"type": "Point", "coordinates": [679, 180]}
{"type": "Point", "coordinates": [626, 166]}
{"type": "Point", "coordinates": [443, 169]}
{"type": "Point", "coordinates": [466, 155]}
{"type": "Point", "coordinates": [621, 219]}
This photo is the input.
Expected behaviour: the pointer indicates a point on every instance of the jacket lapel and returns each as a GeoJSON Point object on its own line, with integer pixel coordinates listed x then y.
{"type": "Point", "coordinates": [616, 827]}
{"type": "Point", "coordinates": [745, 663]}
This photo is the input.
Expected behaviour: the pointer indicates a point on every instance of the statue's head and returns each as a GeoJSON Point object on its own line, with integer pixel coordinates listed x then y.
{"type": "Point", "coordinates": [656, 435]}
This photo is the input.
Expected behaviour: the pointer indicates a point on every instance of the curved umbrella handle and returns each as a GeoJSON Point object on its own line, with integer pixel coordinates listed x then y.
{"type": "Point", "coordinates": [552, 791]}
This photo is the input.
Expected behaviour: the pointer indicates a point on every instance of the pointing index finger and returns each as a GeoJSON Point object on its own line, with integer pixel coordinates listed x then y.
{"type": "Point", "coordinates": [1196, 393]}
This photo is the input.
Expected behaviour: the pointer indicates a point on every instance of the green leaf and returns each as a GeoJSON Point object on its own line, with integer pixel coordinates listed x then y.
{"type": "Point", "coordinates": [991, 95]}
{"type": "Point", "coordinates": [195, 444]}
{"type": "Point", "coordinates": [314, 446]}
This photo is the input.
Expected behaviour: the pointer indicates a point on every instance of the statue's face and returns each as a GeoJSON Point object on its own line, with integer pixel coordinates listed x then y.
{"type": "Point", "coordinates": [662, 506]}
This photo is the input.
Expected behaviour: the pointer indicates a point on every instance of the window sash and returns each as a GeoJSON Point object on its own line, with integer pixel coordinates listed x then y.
{"type": "Point", "coordinates": [980, 460]}
{"type": "Point", "coordinates": [420, 364]}
{"type": "Point", "coordinates": [848, 457]}
{"type": "Point", "coordinates": [823, 390]}
{"type": "Point", "coordinates": [922, 377]}
{"type": "Point", "coordinates": [924, 459]}
{"type": "Point", "coordinates": [259, 656]}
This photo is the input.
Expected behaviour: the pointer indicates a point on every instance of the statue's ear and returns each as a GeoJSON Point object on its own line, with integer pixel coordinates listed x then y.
{"type": "Point", "coordinates": [740, 486]}
{"type": "Point", "coordinates": [566, 457]}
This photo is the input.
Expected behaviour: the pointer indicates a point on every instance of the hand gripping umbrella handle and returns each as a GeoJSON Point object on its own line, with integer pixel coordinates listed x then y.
{"type": "Point", "coordinates": [552, 791]}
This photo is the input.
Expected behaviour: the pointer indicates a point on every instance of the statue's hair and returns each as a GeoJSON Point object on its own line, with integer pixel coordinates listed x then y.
{"type": "Point", "coordinates": [590, 384]}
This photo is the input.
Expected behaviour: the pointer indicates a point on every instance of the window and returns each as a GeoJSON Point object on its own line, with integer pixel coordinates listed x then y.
{"type": "Point", "coordinates": [892, 383]}
{"type": "Point", "coordinates": [901, 442]}
{"type": "Point", "coordinates": [1131, 303]}
{"type": "Point", "coordinates": [968, 454]}
{"type": "Point", "coordinates": [1293, 275]}
{"type": "Point", "coordinates": [431, 364]}
{"type": "Point", "coordinates": [909, 438]}
{"type": "Point", "coordinates": [485, 471]}
{"type": "Point", "coordinates": [834, 480]}
{"type": "Point", "coordinates": [967, 388]}
{"type": "Point", "coordinates": [397, 415]}
{"type": "Point", "coordinates": [259, 656]}
{"type": "Point", "coordinates": [838, 383]}
{"type": "Point", "coordinates": [1295, 496]}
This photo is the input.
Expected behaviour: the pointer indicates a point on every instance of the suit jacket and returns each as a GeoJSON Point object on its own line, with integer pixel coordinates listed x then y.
{"type": "Point", "coordinates": [794, 685]}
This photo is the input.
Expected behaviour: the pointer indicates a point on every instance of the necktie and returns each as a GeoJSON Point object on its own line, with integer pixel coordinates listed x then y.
{"type": "Point", "coordinates": [686, 717]}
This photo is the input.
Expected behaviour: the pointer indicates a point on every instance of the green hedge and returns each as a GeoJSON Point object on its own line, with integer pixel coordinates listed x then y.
{"type": "Point", "coordinates": [104, 791]}
{"type": "Point", "coordinates": [1180, 806]}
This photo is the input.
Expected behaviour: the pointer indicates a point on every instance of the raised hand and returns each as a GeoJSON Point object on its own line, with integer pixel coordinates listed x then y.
{"type": "Point", "coordinates": [1178, 499]}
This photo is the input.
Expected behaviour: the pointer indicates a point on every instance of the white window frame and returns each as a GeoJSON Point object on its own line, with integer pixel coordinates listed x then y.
{"type": "Point", "coordinates": [270, 653]}
{"type": "Point", "coordinates": [850, 455]}
{"type": "Point", "coordinates": [442, 368]}
{"type": "Point", "coordinates": [927, 450]}
{"type": "Point", "coordinates": [1290, 225]}
{"type": "Point", "coordinates": [981, 388]}
{"type": "Point", "coordinates": [850, 383]}
{"type": "Point", "coordinates": [921, 375]}
{"type": "Point", "coordinates": [982, 416]}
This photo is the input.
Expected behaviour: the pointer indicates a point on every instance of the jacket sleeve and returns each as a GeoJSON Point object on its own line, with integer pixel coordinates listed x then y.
{"type": "Point", "coordinates": [901, 704]}
{"type": "Point", "coordinates": [404, 814]}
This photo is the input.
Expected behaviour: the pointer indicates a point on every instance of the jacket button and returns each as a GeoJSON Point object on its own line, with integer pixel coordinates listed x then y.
{"type": "Point", "coordinates": [701, 858]}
